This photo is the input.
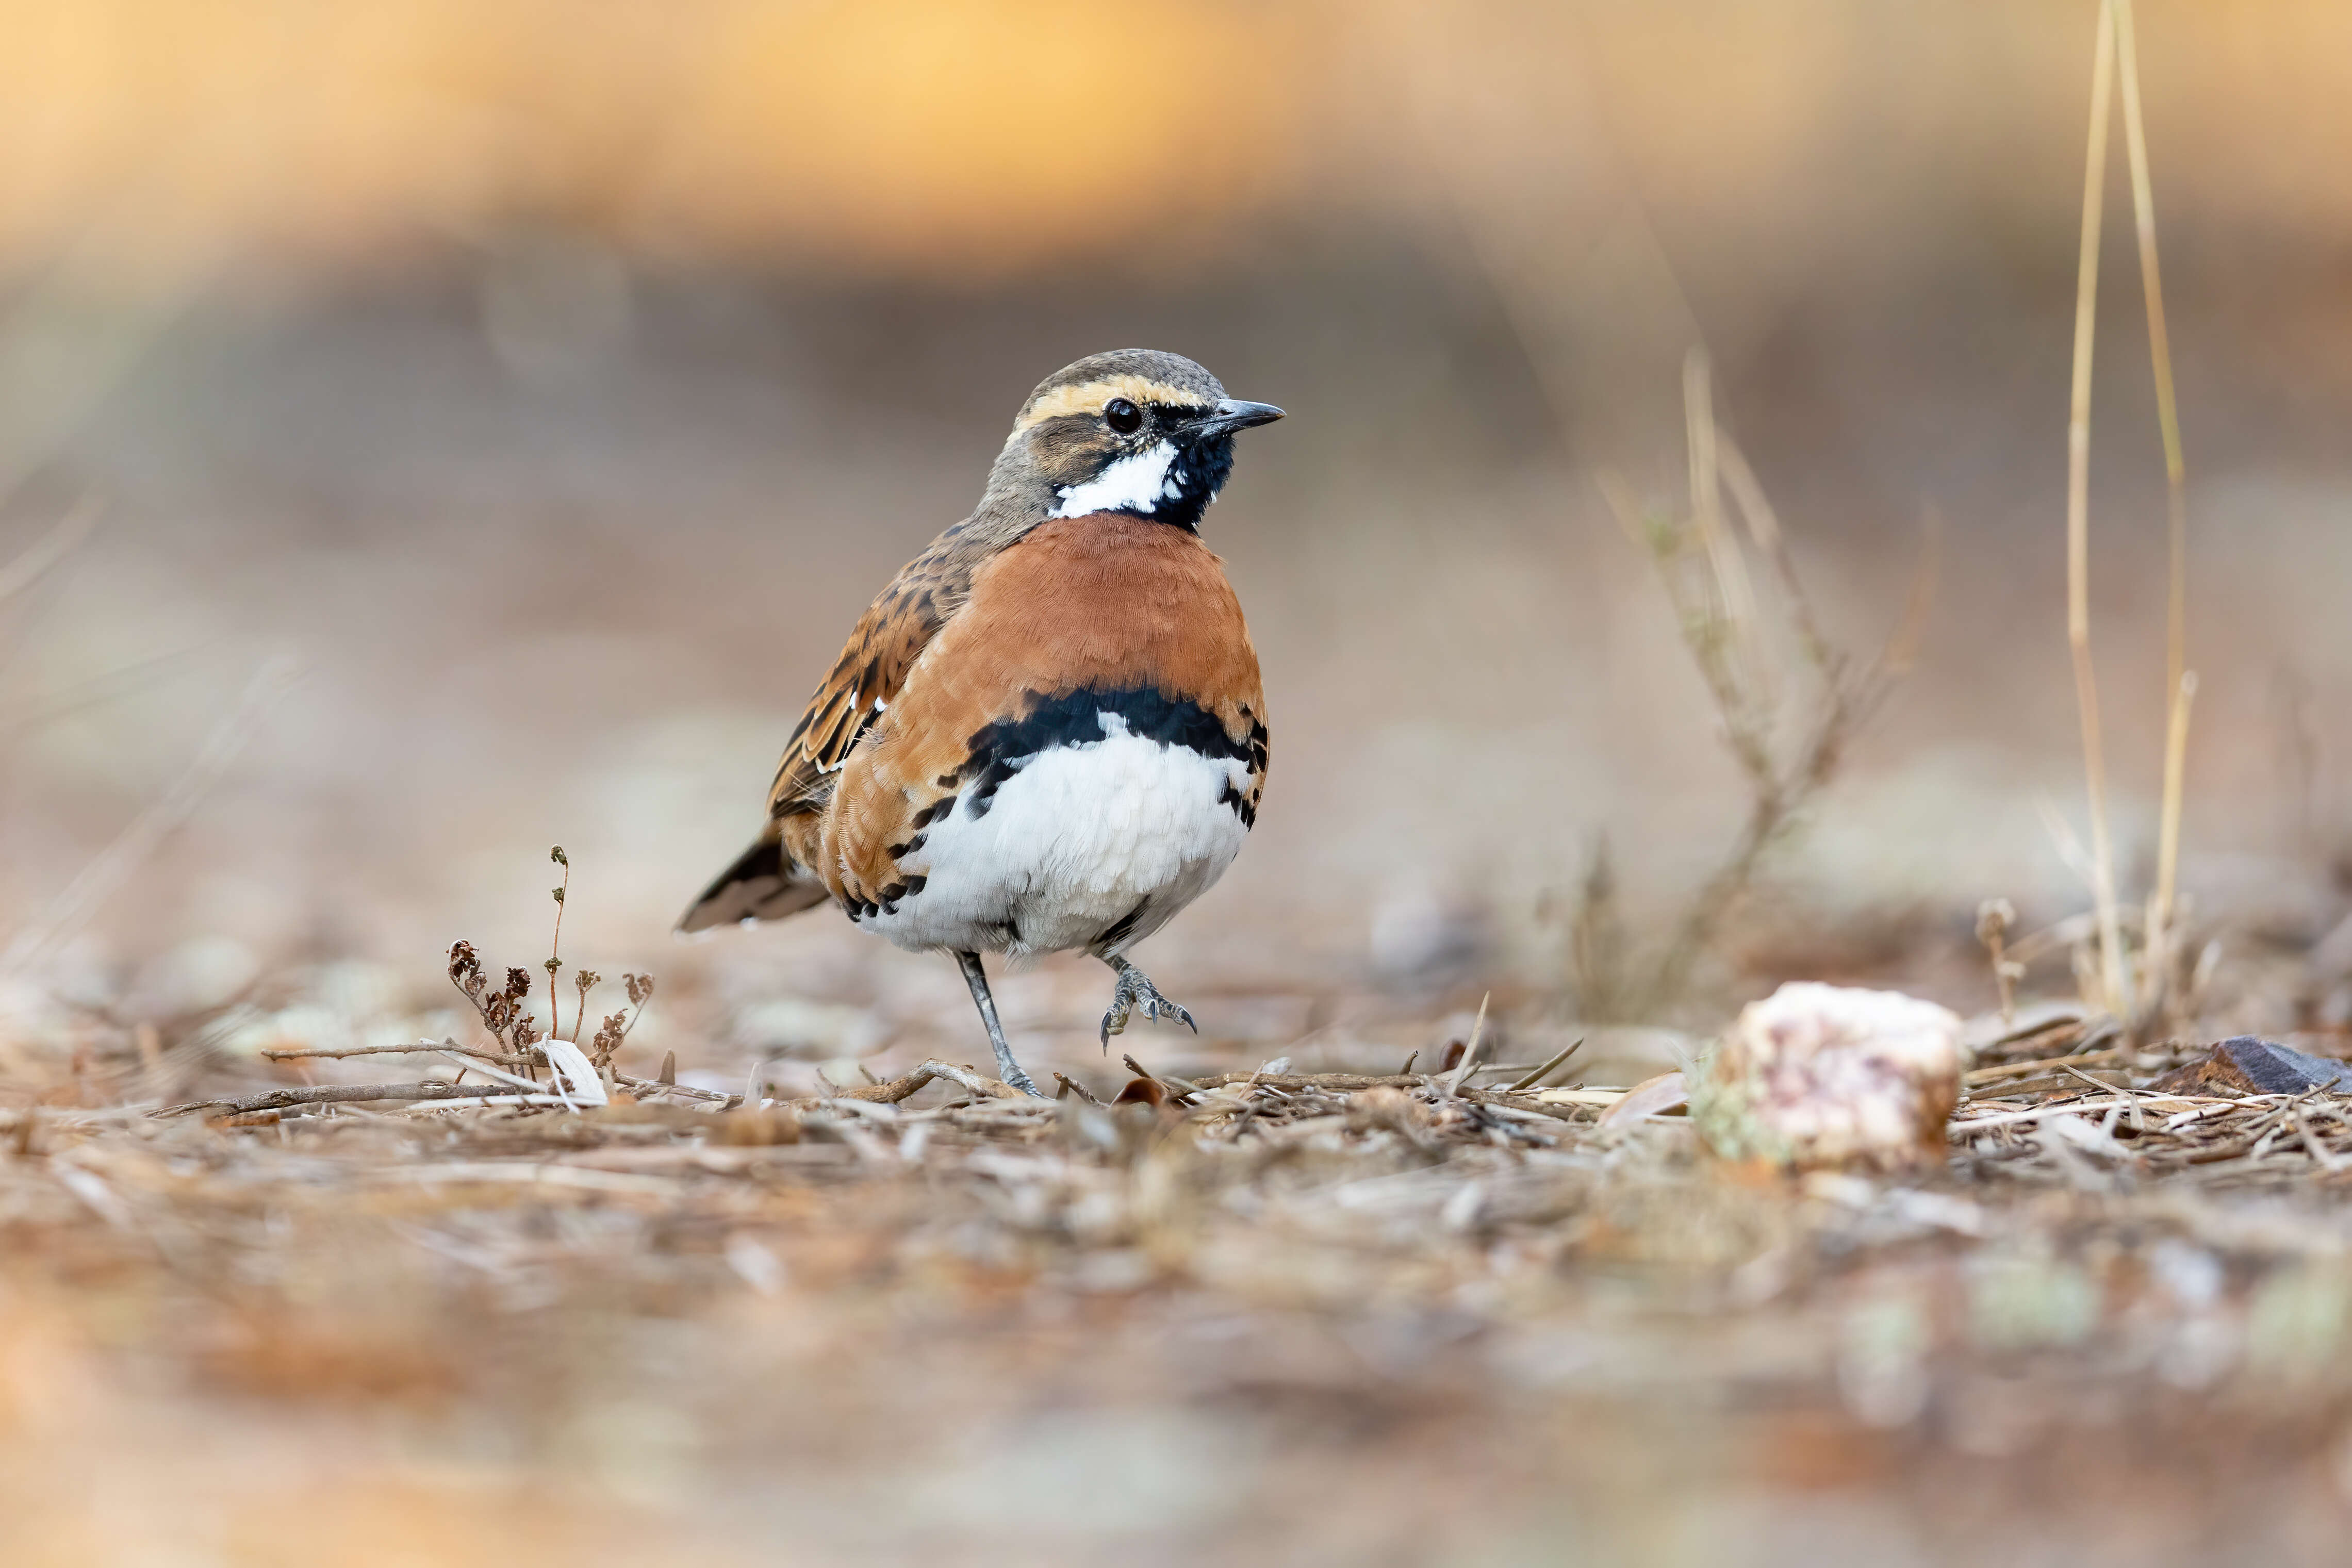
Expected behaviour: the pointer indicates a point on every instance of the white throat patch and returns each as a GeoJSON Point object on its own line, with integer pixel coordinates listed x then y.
{"type": "Point", "coordinates": [1135, 483]}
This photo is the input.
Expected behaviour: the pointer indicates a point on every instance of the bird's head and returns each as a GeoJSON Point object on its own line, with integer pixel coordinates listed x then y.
{"type": "Point", "coordinates": [1135, 431]}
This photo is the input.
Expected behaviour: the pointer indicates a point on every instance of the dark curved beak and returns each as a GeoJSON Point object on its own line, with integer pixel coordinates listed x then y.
{"type": "Point", "coordinates": [1233, 414]}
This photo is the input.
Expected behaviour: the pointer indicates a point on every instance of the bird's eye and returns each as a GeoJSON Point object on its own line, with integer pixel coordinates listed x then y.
{"type": "Point", "coordinates": [1122, 416]}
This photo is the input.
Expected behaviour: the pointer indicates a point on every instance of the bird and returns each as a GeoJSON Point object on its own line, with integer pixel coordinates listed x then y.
{"type": "Point", "coordinates": [1048, 733]}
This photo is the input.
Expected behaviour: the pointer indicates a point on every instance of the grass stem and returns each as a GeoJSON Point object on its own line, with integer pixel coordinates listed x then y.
{"type": "Point", "coordinates": [2179, 685]}
{"type": "Point", "coordinates": [2078, 532]}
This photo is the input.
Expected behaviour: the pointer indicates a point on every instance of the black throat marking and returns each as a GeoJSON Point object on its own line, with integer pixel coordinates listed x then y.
{"type": "Point", "coordinates": [1196, 476]}
{"type": "Point", "coordinates": [1178, 495]}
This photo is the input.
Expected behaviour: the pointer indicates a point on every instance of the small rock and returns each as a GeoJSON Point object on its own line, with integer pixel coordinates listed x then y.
{"type": "Point", "coordinates": [2246, 1064]}
{"type": "Point", "coordinates": [1816, 1076]}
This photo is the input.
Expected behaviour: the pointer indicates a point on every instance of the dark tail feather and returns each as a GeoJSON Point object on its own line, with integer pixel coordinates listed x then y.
{"type": "Point", "coordinates": [763, 885]}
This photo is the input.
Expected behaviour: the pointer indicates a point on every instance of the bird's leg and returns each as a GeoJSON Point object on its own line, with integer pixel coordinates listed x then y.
{"type": "Point", "coordinates": [1135, 991]}
{"type": "Point", "coordinates": [1006, 1067]}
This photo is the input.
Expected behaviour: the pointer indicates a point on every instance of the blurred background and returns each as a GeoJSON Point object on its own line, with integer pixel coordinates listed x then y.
{"type": "Point", "coordinates": [535, 398]}
{"type": "Point", "coordinates": [434, 430]}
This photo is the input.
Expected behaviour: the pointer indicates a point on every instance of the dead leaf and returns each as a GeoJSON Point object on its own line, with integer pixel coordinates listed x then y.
{"type": "Point", "coordinates": [1650, 1097]}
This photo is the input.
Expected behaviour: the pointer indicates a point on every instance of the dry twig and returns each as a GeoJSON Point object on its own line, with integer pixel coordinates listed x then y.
{"type": "Point", "coordinates": [339, 1093]}
{"type": "Point", "coordinates": [1714, 607]}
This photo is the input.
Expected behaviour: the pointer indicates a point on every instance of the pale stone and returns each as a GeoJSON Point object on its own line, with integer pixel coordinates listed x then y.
{"type": "Point", "coordinates": [1818, 1075]}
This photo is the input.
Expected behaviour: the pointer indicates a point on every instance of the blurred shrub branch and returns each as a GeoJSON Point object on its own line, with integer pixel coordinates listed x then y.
{"type": "Point", "coordinates": [1788, 704]}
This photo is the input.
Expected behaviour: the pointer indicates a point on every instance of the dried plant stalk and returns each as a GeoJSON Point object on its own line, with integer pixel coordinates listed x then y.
{"type": "Point", "coordinates": [2162, 963]}
{"type": "Point", "coordinates": [1736, 594]}
{"type": "Point", "coordinates": [2110, 967]}
{"type": "Point", "coordinates": [1701, 566]}
{"type": "Point", "coordinates": [2180, 682]}
{"type": "Point", "coordinates": [2159, 345]}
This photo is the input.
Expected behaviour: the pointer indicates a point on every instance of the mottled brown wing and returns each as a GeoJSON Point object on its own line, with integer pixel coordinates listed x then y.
{"type": "Point", "coordinates": [867, 678]}
{"type": "Point", "coordinates": [775, 877]}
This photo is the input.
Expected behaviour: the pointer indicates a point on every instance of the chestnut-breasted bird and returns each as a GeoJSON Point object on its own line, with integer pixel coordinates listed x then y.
{"type": "Point", "coordinates": [1047, 733]}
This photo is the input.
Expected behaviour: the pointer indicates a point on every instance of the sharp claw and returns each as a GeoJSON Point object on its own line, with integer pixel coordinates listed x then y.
{"type": "Point", "coordinates": [1135, 994]}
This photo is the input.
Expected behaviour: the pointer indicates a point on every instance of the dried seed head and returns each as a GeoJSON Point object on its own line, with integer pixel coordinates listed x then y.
{"type": "Point", "coordinates": [559, 857]}
{"type": "Point", "coordinates": [587, 980]}
{"type": "Point", "coordinates": [557, 893]}
{"type": "Point", "coordinates": [641, 988]}
{"type": "Point", "coordinates": [517, 984]}
{"type": "Point", "coordinates": [465, 970]}
{"type": "Point", "coordinates": [551, 966]}
{"type": "Point", "coordinates": [608, 1037]}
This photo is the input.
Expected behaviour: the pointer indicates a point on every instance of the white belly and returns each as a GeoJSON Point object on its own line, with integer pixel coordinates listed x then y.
{"type": "Point", "coordinates": [1080, 839]}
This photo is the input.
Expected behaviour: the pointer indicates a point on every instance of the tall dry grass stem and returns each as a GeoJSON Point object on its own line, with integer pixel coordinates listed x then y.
{"type": "Point", "coordinates": [1737, 592]}
{"type": "Point", "coordinates": [2179, 681]}
{"type": "Point", "coordinates": [2115, 997]}
{"type": "Point", "coordinates": [2136, 992]}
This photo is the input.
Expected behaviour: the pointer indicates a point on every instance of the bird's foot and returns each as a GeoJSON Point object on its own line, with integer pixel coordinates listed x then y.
{"type": "Point", "coordinates": [1135, 991]}
{"type": "Point", "coordinates": [1010, 1071]}
{"type": "Point", "coordinates": [1007, 1070]}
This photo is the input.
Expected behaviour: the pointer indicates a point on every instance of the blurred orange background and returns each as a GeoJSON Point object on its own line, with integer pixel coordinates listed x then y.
{"type": "Point", "coordinates": [966, 140]}
{"type": "Point", "coordinates": [488, 416]}
{"type": "Point", "coordinates": [550, 385]}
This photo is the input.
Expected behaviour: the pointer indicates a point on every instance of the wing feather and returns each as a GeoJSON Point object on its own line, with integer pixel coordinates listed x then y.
{"type": "Point", "coordinates": [778, 876]}
{"type": "Point", "coordinates": [870, 674]}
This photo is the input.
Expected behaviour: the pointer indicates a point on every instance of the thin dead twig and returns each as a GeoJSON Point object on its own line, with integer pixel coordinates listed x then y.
{"type": "Point", "coordinates": [2327, 1159]}
{"type": "Point", "coordinates": [1516, 1102]}
{"type": "Point", "coordinates": [2131, 1100]}
{"type": "Point", "coordinates": [647, 1087]}
{"type": "Point", "coordinates": [2034, 1069]}
{"type": "Point", "coordinates": [2078, 528]}
{"type": "Point", "coordinates": [1329, 1080]}
{"type": "Point", "coordinates": [1545, 1071]}
{"type": "Point", "coordinates": [335, 1094]}
{"type": "Point", "coordinates": [318, 1053]}
{"type": "Point", "coordinates": [892, 1091]}
{"type": "Point", "coordinates": [1470, 1051]}
{"type": "Point", "coordinates": [1714, 608]}
{"type": "Point", "coordinates": [1349, 1082]}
